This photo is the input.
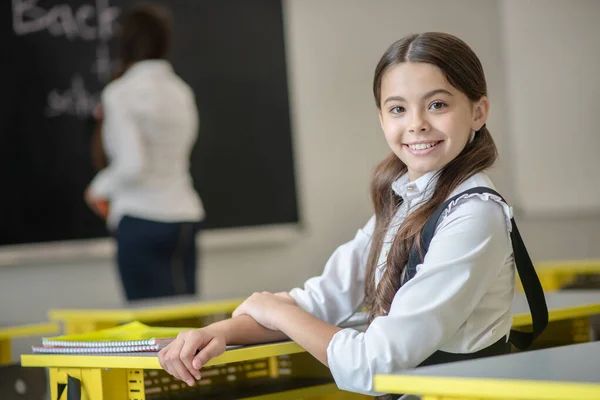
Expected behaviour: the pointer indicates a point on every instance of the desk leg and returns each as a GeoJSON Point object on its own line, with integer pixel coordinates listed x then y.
{"type": "Point", "coordinates": [135, 384]}
{"type": "Point", "coordinates": [84, 326]}
{"type": "Point", "coordinates": [581, 330]}
{"type": "Point", "coordinates": [96, 383]}
{"type": "Point", "coordinates": [273, 367]}
{"type": "Point", "coordinates": [5, 352]}
{"type": "Point", "coordinates": [563, 332]}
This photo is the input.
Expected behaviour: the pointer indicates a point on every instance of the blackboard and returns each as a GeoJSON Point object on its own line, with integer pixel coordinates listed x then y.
{"type": "Point", "coordinates": [60, 56]}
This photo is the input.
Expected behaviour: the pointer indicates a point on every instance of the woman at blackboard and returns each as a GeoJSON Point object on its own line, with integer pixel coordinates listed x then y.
{"type": "Point", "coordinates": [150, 124]}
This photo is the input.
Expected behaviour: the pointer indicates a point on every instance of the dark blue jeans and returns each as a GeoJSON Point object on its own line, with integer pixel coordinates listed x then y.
{"type": "Point", "coordinates": [156, 259]}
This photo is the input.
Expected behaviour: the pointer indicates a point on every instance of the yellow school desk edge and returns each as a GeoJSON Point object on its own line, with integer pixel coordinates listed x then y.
{"type": "Point", "coordinates": [246, 353]}
{"type": "Point", "coordinates": [158, 313]}
{"type": "Point", "coordinates": [485, 388]}
{"type": "Point", "coordinates": [560, 314]}
{"type": "Point", "coordinates": [12, 332]}
{"type": "Point", "coordinates": [575, 266]}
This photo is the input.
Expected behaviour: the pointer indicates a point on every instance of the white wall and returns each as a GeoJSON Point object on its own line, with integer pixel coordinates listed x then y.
{"type": "Point", "coordinates": [333, 47]}
{"type": "Point", "coordinates": [552, 59]}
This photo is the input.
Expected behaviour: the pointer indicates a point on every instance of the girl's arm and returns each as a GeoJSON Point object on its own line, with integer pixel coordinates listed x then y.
{"type": "Point", "coordinates": [309, 332]}
{"type": "Point", "coordinates": [243, 329]}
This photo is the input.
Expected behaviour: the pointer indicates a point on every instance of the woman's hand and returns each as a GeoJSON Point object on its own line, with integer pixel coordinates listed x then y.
{"type": "Point", "coordinates": [191, 350]}
{"type": "Point", "coordinates": [263, 307]}
{"type": "Point", "coordinates": [98, 205]}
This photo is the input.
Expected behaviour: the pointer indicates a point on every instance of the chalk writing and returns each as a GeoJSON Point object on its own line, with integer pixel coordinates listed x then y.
{"type": "Point", "coordinates": [91, 22]}
{"type": "Point", "coordinates": [86, 22]}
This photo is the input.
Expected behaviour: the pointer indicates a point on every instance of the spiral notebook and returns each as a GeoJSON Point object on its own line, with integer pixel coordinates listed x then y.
{"type": "Point", "coordinates": [129, 338]}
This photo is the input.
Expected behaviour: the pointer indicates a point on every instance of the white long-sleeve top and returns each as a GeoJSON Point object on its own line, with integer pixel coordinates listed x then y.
{"type": "Point", "coordinates": [150, 126]}
{"type": "Point", "coordinates": [459, 301]}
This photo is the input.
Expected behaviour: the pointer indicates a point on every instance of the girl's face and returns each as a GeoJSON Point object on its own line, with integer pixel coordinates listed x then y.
{"type": "Point", "coordinates": [427, 122]}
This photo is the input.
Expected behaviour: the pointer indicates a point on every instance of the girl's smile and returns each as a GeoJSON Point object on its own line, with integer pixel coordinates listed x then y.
{"type": "Point", "coordinates": [423, 147]}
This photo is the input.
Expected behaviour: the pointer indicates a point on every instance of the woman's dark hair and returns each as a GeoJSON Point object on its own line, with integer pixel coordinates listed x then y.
{"type": "Point", "coordinates": [145, 33]}
{"type": "Point", "coordinates": [463, 70]}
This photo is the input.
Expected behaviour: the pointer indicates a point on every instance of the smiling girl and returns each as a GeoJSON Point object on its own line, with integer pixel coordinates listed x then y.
{"type": "Point", "coordinates": [435, 265]}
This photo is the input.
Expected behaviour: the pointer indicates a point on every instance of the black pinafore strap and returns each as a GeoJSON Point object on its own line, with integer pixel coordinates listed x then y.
{"type": "Point", "coordinates": [531, 284]}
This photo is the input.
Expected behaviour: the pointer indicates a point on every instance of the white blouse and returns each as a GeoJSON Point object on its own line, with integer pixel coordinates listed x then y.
{"type": "Point", "coordinates": [459, 301]}
{"type": "Point", "coordinates": [150, 127]}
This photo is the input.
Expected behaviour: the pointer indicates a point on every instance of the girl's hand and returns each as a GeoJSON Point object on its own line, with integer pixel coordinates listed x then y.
{"type": "Point", "coordinates": [287, 296]}
{"type": "Point", "coordinates": [179, 357]}
{"type": "Point", "coordinates": [263, 307]}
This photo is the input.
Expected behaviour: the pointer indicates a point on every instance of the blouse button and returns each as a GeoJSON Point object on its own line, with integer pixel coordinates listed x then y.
{"type": "Point", "coordinates": [410, 188]}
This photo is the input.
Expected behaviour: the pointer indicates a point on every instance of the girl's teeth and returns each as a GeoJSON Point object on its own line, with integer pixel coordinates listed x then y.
{"type": "Point", "coordinates": [422, 146]}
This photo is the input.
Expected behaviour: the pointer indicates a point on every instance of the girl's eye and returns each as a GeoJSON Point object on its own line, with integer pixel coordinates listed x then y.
{"type": "Point", "coordinates": [397, 110]}
{"type": "Point", "coordinates": [437, 105]}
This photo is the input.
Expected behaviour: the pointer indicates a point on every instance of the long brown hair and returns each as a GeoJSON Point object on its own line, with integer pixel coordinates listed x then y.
{"type": "Point", "coordinates": [463, 70]}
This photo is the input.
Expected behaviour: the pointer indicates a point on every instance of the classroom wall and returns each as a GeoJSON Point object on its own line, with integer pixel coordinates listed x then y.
{"type": "Point", "coordinates": [550, 64]}
{"type": "Point", "coordinates": [333, 47]}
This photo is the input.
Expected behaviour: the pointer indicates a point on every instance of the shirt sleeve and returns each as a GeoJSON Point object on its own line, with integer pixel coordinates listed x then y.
{"type": "Point", "coordinates": [121, 133]}
{"type": "Point", "coordinates": [466, 254]}
{"type": "Point", "coordinates": [336, 294]}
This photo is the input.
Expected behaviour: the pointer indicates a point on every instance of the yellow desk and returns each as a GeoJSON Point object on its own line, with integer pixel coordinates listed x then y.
{"type": "Point", "coordinates": [157, 310]}
{"type": "Point", "coordinates": [121, 376]}
{"type": "Point", "coordinates": [280, 370]}
{"type": "Point", "coordinates": [14, 332]}
{"type": "Point", "coordinates": [561, 373]}
{"type": "Point", "coordinates": [568, 316]}
{"type": "Point", "coordinates": [556, 274]}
